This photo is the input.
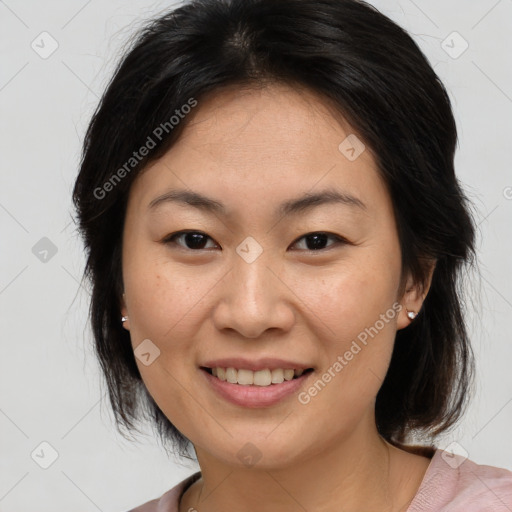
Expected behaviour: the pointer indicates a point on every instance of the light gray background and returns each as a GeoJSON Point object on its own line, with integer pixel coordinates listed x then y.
{"type": "Point", "coordinates": [49, 380]}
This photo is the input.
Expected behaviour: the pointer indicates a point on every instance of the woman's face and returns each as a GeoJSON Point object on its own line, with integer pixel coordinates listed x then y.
{"type": "Point", "coordinates": [250, 284]}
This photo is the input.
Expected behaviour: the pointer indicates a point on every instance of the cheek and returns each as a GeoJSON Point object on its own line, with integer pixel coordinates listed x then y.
{"type": "Point", "coordinates": [166, 308]}
{"type": "Point", "coordinates": [165, 298]}
{"type": "Point", "coordinates": [348, 298]}
{"type": "Point", "coordinates": [353, 315]}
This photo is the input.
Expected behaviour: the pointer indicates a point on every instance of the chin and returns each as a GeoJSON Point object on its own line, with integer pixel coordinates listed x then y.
{"type": "Point", "coordinates": [261, 451]}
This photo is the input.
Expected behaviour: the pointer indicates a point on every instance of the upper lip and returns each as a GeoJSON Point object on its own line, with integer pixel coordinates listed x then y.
{"type": "Point", "coordinates": [260, 364]}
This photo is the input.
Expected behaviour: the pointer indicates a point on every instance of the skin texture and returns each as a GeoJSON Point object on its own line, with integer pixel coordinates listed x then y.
{"type": "Point", "coordinates": [252, 150]}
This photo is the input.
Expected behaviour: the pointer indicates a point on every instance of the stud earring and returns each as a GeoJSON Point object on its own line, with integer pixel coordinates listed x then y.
{"type": "Point", "coordinates": [124, 318]}
{"type": "Point", "coordinates": [411, 315]}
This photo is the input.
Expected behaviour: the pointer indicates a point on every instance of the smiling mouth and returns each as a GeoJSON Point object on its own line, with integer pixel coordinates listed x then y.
{"type": "Point", "coordinates": [261, 378]}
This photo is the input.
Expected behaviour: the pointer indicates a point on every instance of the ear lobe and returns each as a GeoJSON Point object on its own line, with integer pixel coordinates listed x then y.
{"type": "Point", "coordinates": [414, 296]}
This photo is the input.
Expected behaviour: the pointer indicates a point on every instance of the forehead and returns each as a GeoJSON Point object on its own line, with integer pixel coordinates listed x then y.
{"type": "Point", "coordinates": [261, 144]}
{"type": "Point", "coordinates": [271, 119]}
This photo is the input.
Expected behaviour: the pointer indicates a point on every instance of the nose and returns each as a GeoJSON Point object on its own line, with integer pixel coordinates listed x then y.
{"type": "Point", "coordinates": [254, 299]}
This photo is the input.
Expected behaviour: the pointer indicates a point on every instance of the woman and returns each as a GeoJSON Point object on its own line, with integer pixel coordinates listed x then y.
{"type": "Point", "coordinates": [275, 239]}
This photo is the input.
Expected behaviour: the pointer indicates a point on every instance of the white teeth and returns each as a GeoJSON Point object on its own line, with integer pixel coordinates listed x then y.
{"type": "Point", "coordinates": [245, 377]}
{"type": "Point", "coordinates": [231, 375]}
{"type": "Point", "coordinates": [277, 376]}
{"type": "Point", "coordinates": [262, 377]}
{"type": "Point", "coordinates": [288, 374]}
{"type": "Point", "coordinates": [259, 378]}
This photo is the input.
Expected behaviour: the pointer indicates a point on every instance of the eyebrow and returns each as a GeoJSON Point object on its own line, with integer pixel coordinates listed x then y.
{"type": "Point", "coordinates": [293, 206]}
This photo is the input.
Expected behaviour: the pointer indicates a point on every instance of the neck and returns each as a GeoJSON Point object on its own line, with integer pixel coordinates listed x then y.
{"type": "Point", "coordinates": [362, 472]}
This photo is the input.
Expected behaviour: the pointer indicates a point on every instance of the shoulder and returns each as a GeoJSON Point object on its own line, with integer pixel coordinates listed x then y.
{"type": "Point", "coordinates": [454, 483]}
{"type": "Point", "coordinates": [169, 501]}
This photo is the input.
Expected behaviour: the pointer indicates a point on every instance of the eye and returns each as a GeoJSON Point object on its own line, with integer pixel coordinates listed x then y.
{"type": "Point", "coordinates": [195, 240]}
{"type": "Point", "coordinates": [317, 240]}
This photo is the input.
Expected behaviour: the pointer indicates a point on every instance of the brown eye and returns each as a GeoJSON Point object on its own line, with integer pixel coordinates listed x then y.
{"type": "Point", "coordinates": [192, 240]}
{"type": "Point", "coordinates": [196, 240]}
{"type": "Point", "coordinates": [317, 241]}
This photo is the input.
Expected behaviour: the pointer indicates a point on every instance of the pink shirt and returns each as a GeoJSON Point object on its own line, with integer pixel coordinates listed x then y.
{"type": "Point", "coordinates": [450, 484]}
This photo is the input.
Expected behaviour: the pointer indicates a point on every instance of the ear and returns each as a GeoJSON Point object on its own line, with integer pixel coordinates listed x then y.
{"type": "Point", "coordinates": [413, 296]}
{"type": "Point", "coordinates": [124, 313]}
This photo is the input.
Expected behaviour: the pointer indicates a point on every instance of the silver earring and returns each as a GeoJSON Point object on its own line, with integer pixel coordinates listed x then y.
{"type": "Point", "coordinates": [124, 318]}
{"type": "Point", "coordinates": [411, 315]}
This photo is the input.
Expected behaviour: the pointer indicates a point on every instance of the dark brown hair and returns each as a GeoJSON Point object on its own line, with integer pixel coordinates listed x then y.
{"type": "Point", "coordinates": [379, 80]}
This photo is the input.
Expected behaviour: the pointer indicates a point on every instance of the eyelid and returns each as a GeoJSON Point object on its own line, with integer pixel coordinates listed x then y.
{"type": "Point", "coordinates": [169, 239]}
{"type": "Point", "coordinates": [339, 240]}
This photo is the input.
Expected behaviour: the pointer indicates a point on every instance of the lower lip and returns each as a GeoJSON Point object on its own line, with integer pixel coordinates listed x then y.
{"type": "Point", "coordinates": [255, 396]}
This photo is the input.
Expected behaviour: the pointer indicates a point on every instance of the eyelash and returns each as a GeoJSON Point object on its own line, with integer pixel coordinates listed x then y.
{"type": "Point", "coordinates": [170, 239]}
